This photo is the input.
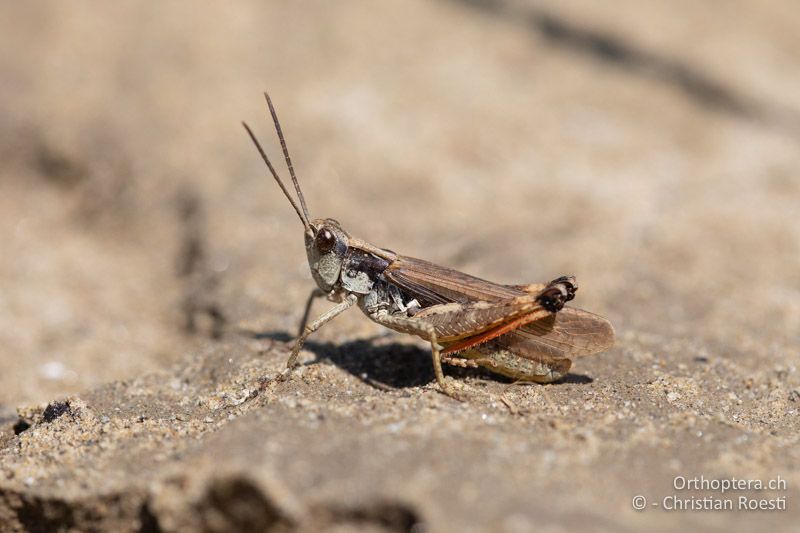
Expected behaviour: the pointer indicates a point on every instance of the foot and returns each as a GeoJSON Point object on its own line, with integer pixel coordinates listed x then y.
{"type": "Point", "coordinates": [459, 361]}
{"type": "Point", "coordinates": [448, 390]}
{"type": "Point", "coordinates": [284, 374]}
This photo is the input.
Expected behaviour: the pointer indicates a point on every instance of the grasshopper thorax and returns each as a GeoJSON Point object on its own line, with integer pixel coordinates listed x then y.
{"type": "Point", "coordinates": [326, 247]}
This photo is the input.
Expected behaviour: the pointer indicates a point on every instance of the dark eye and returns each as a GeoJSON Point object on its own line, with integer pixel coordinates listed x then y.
{"type": "Point", "coordinates": [325, 241]}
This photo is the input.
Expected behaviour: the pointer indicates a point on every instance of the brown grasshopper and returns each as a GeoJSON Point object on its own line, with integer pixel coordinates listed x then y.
{"type": "Point", "coordinates": [520, 331]}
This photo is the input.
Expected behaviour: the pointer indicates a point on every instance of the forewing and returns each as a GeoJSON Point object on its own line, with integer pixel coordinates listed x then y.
{"type": "Point", "coordinates": [571, 332]}
{"type": "Point", "coordinates": [432, 284]}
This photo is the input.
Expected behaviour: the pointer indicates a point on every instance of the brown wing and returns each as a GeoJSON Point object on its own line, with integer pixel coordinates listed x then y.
{"type": "Point", "coordinates": [432, 284]}
{"type": "Point", "coordinates": [571, 332]}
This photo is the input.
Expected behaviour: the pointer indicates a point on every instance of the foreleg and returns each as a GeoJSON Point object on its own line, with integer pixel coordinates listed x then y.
{"type": "Point", "coordinates": [316, 293]}
{"type": "Point", "coordinates": [348, 302]}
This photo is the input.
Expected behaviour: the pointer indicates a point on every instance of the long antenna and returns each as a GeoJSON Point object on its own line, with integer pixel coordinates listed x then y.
{"type": "Point", "coordinates": [286, 155]}
{"type": "Point", "coordinates": [303, 218]}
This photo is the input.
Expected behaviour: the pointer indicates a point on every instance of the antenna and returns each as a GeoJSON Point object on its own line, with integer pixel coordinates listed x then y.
{"type": "Point", "coordinates": [286, 154]}
{"type": "Point", "coordinates": [302, 214]}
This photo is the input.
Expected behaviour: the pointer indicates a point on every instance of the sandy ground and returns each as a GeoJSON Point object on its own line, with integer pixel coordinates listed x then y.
{"type": "Point", "coordinates": [151, 274]}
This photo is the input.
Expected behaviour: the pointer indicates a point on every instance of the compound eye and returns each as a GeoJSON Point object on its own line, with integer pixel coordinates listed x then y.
{"type": "Point", "coordinates": [325, 240]}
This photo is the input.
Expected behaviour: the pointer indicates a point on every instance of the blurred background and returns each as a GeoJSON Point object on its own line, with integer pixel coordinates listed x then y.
{"type": "Point", "coordinates": [650, 148]}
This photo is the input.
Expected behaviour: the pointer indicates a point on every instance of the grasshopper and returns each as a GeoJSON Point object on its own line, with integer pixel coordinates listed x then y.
{"type": "Point", "coordinates": [523, 332]}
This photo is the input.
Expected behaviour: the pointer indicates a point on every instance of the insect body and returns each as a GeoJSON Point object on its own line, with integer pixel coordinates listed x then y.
{"type": "Point", "coordinates": [522, 331]}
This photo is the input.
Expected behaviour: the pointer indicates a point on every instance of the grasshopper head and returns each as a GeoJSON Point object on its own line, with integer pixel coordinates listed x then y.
{"type": "Point", "coordinates": [326, 246]}
{"type": "Point", "coordinates": [326, 241]}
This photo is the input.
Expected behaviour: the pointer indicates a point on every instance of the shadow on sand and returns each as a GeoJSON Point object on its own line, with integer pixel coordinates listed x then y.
{"type": "Point", "coordinates": [382, 363]}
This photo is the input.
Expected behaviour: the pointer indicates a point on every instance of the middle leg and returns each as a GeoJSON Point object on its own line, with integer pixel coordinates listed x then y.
{"type": "Point", "coordinates": [424, 330]}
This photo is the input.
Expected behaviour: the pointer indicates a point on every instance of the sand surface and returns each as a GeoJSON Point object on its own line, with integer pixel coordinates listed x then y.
{"type": "Point", "coordinates": [152, 275]}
